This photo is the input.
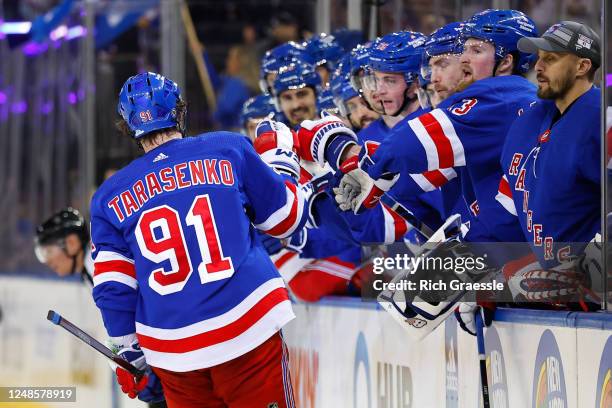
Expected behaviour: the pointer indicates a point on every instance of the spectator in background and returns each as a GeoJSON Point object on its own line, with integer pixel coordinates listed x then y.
{"type": "Point", "coordinates": [237, 85]}
{"type": "Point", "coordinates": [431, 22]}
{"type": "Point", "coordinates": [283, 27]}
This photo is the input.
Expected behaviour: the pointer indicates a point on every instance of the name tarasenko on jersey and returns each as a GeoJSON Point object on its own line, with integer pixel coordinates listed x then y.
{"type": "Point", "coordinates": [181, 175]}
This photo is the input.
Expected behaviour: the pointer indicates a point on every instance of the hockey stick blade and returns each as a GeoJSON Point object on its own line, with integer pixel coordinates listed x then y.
{"type": "Point", "coordinates": [482, 360]}
{"type": "Point", "coordinates": [58, 320]}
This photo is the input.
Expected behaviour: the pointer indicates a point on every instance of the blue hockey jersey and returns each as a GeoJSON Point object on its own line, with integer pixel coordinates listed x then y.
{"type": "Point", "coordinates": [175, 254]}
{"type": "Point", "coordinates": [552, 168]}
{"type": "Point", "coordinates": [382, 224]}
{"type": "Point", "coordinates": [467, 130]}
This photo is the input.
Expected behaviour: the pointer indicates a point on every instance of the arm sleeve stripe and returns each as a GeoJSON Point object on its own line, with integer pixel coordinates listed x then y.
{"type": "Point", "coordinates": [400, 227]}
{"type": "Point", "coordinates": [458, 155]}
{"type": "Point", "coordinates": [427, 143]}
{"type": "Point", "coordinates": [103, 256]}
{"type": "Point", "coordinates": [436, 133]}
{"type": "Point", "coordinates": [285, 220]}
{"type": "Point", "coordinates": [430, 180]}
{"type": "Point", "coordinates": [115, 277]}
{"type": "Point", "coordinates": [504, 196]}
{"type": "Point", "coordinates": [439, 139]}
{"type": "Point", "coordinates": [439, 177]}
{"type": "Point", "coordinates": [123, 267]}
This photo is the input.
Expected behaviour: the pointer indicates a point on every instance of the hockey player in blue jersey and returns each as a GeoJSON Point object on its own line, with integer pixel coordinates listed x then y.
{"type": "Point", "coordinates": [552, 171]}
{"type": "Point", "coordinates": [326, 53]}
{"type": "Point", "coordinates": [278, 57]}
{"type": "Point", "coordinates": [350, 104]}
{"type": "Point", "coordinates": [254, 111]}
{"type": "Point", "coordinates": [467, 130]}
{"type": "Point", "coordinates": [393, 65]}
{"type": "Point", "coordinates": [295, 90]}
{"type": "Point", "coordinates": [179, 275]}
{"type": "Point", "coordinates": [441, 61]}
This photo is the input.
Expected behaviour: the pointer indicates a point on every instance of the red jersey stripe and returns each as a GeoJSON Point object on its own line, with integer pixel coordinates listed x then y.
{"type": "Point", "coordinates": [220, 335]}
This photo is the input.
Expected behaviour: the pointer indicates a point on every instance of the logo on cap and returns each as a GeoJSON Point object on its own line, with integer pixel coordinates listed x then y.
{"type": "Point", "coordinates": [583, 42]}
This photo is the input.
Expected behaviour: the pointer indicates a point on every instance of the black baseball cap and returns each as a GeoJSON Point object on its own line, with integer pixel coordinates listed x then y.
{"type": "Point", "coordinates": [566, 36]}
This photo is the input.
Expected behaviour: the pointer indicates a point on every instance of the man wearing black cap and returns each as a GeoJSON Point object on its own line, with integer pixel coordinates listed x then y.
{"type": "Point", "coordinates": [569, 53]}
{"type": "Point", "coordinates": [551, 157]}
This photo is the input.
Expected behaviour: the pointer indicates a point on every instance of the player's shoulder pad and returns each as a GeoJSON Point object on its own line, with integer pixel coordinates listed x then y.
{"type": "Point", "coordinates": [489, 94]}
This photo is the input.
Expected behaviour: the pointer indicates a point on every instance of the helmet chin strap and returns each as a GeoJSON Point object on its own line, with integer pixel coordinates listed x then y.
{"type": "Point", "coordinates": [73, 268]}
{"type": "Point", "coordinates": [405, 102]}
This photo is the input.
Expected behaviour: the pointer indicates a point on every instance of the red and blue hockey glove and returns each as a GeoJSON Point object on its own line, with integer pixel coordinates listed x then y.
{"type": "Point", "coordinates": [564, 286]}
{"type": "Point", "coordinates": [278, 146]}
{"type": "Point", "coordinates": [357, 190]}
{"type": "Point", "coordinates": [148, 388]}
{"type": "Point", "coordinates": [324, 140]}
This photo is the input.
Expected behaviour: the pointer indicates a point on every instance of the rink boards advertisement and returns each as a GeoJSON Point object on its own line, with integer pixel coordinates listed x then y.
{"type": "Point", "coordinates": [344, 353]}
{"type": "Point", "coordinates": [351, 354]}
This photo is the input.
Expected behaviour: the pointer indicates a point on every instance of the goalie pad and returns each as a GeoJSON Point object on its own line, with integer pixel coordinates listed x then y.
{"type": "Point", "coordinates": [418, 317]}
{"type": "Point", "coordinates": [420, 312]}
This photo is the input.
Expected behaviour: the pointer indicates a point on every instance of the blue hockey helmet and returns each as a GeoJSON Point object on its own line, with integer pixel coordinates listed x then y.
{"type": "Point", "coordinates": [325, 102]}
{"type": "Point", "coordinates": [280, 56]}
{"type": "Point", "coordinates": [259, 106]}
{"type": "Point", "coordinates": [296, 75]}
{"type": "Point", "coordinates": [324, 50]}
{"type": "Point", "coordinates": [340, 83]}
{"type": "Point", "coordinates": [503, 29]}
{"type": "Point", "coordinates": [147, 102]}
{"type": "Point", "coordinates": [348, 39]}
{"type": "Point", "coordinates": [342, 90]}
{"type": "Point", "coordinates": [398, 53]}
{"type": "Point", "coordinates": [359, 61]}
{"type": "Point", "coordinates": [440, 42]}
{"type": "Point", "coordinates": [444, 40]}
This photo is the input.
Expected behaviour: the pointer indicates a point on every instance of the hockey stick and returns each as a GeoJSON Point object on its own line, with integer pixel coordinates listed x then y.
{"type": "Point", "coordinates": [57, 319]}
{"type": "Point", "coordinates": [482, 357]}
{"type": "Point", "coordinates": [407, 215]}
{"type": "Point", "coordinates": [197, 51]}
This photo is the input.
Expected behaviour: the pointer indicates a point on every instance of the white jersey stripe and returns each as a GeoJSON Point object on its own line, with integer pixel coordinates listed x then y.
{"type": "Point", "coordinates": [115, 277]}
{"type": "Point", "coordinates": [216, 322]}
{"type": "Point", "coordinates": [427, 143]}
{"type": "Point", "coordinates": [219, 353]}
{"type": "Point", "coordinates": [104, 256]}
{"type": "Point", "coordinates": [449, 132]}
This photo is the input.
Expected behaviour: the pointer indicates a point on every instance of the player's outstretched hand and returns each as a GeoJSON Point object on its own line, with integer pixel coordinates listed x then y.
{"type": "Point", "coordinates": [324, 140]}
{"type": "Point", "coordinates": [358, 191]}
{"type": "Point", "coordinates": [278, 146]}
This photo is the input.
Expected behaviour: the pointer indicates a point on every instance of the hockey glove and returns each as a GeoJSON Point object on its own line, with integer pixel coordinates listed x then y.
{"type": "Point", "coordinates": [357, 190]}
{"type": "Point", "coordinates": [278, 145]}
{"type": "Point", "coordinates": [297, 241]}
{"type": "Point", "coordinates": [563, 286]}
{"type": "Point", "coordinates": [148, 388]}
{"type": "Point", "coordinates": [466, 315]}
{"type": "Point", "coordinates": [324, 140]}
{"type": "Point", "coordinates": [271, 244]}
